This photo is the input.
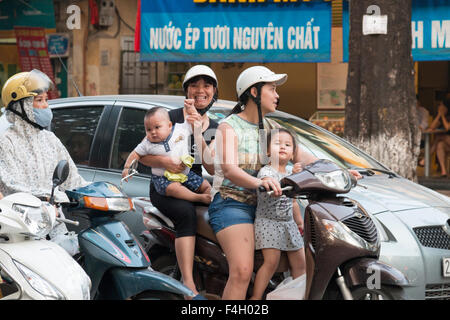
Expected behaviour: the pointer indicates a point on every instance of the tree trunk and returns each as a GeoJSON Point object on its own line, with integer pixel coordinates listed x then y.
{"type": "Point", "coordinates": [380, 115]}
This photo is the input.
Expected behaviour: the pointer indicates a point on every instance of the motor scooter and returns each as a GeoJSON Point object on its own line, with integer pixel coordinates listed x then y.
{"type": "Point", "coordinates": [30, 266]}
{"type": "Point", "coordinates": [113, 258]}
{"type": "Point", "coordinates": [341, 243]}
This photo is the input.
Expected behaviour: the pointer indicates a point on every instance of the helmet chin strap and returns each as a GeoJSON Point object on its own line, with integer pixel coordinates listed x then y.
{"type": "Point", "coordinates": [261, 132]}
{"type": "Point", "coordinates": [204, 110]}
{"type": "Point", "coordinates": [23, 115]}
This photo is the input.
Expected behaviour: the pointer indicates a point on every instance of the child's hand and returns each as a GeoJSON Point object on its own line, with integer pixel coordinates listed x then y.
{"type": "Point", "coordinates": [124, 174]}
{"type": "Point", "coordinates": [189, 106]}
{"type": "Point", "coordinates": [192, 115]}
{"type": "Point", "coordinates": [297, 167]}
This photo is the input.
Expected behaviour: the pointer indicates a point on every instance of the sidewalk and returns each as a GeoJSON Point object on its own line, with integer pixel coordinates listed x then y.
{"type": "Point", "coordinates": [441, 185]}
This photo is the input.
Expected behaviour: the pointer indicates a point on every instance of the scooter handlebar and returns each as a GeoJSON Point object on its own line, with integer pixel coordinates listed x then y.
{"type": "Point", "coordinates": [262, 189]}
{"type": "Point", "coordinates": [75, 223]}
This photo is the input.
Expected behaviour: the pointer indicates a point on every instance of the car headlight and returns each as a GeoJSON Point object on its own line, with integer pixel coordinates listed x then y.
{"type": "Point", "coordinates": [342, 232]}
{"type": "Point", "coordinates": [339, 179]}
{"type": "Point", "coordinates": [37, 219]}
{"type": "Point", "coordinates": [38, 283]}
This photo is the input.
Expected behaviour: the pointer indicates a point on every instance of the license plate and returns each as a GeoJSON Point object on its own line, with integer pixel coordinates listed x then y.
{"type": "Point", "coordinates": [446, 267]}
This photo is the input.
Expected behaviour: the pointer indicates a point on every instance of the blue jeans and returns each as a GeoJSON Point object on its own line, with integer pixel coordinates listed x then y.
{"type": "Point", "coordinates": [227, 212]}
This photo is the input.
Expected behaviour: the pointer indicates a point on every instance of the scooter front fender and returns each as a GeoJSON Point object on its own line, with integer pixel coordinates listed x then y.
{"type": "Point", "coordinates": [131, 282]}
{"type": "Point", "coordinates": [367, 271]}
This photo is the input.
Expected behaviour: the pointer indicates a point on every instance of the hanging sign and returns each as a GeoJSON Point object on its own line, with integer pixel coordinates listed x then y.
{"type": "Point", "coordinates": [232, 31]}
{"type": "Point", "coordinates": [33, 54]}
{"type": "Point", "coordinates": [430, 30]}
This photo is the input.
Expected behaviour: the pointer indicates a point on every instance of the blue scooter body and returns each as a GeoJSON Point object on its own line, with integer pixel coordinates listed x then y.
{"type": "Point", "coordinates": [118, 266]}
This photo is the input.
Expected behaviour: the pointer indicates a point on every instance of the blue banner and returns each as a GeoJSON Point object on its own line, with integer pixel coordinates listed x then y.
{"type": "Point", "coordinates": [208, 31]}
{"type": "Point", "coordinates": [430, 30]}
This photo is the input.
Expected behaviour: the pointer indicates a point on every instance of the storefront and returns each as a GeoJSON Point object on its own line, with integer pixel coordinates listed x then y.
{"type": "Point", "coordinates": [27, 36]}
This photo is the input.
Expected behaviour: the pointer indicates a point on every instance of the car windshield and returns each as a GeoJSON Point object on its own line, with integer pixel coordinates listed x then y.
{"type": "Point", "coordinates": [317, 141]}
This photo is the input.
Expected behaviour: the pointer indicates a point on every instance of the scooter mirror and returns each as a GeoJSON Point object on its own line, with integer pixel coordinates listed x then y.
{"type": "Point", "coordinates": [61, 173]}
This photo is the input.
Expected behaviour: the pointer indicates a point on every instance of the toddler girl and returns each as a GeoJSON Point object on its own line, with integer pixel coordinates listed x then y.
{"type": "Point", "coordinates": [278, 219]}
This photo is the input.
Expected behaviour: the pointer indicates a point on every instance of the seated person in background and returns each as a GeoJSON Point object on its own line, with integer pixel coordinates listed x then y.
{"type": "Point", "coordinates": [163, 138]}
{"type": "Point", "coordinates": [422, 116]}
{"type": "Point", "coordinates": [422, 121]}
{"type": "Point", "coordinates": [441, 143]}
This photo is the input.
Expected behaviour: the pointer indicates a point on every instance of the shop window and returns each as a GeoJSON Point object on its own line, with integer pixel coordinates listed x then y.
{"type": "Point", "coordinates": [138, 77]}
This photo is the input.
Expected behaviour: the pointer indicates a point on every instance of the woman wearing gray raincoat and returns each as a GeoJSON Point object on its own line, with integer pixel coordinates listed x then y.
{"type": "Point", "coordinates": [28, 153]}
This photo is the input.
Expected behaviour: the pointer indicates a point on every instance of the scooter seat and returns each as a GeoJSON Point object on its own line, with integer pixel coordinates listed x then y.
{"type": "Point", "coordinates": [203, 227]}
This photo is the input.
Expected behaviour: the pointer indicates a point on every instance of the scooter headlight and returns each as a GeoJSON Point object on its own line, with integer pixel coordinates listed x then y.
{"type": "Point", "coordinates": [108, 204]}
{"type": "Point", "coordinates": [37, 219]}
{"type": "Point", "coordinates": [339, 179]}
{"type": "Point", "coordinates": [342, 232]}
{"type": "Point", "coordinates": [38, 283]}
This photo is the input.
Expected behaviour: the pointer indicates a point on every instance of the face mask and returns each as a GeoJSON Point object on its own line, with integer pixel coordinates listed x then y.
{"type": "Point", "coordinates": [43, 117]}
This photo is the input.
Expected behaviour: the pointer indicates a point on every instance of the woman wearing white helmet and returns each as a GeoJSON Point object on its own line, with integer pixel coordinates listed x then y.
{"type": "Point", "coordinates": [238, 161]}
{"type": "Point", "coordinates": [240, 154]}
{"type": "Point", "coordinates": [28, 153]}
{"type": "Point", "coordinates": [201, 89]}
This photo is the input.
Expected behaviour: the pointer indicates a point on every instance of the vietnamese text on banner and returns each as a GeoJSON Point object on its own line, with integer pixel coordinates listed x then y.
{"type": "Point", "coordinates": [263, 31]}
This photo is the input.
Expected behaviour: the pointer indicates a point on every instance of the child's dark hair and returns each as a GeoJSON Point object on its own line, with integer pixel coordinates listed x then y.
{"type": "Point", "coordinates": [278, 131]}
{"type": "Point", "coordinates": [151, 112]}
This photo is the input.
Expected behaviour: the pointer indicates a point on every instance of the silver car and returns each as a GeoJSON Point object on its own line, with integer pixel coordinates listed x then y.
{"type": "Point", "coordinates": [414, 221]}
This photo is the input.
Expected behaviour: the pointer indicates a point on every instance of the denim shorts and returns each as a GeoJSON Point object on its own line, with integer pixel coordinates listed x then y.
{"type": "Point", "coordinates": [227, 212]}
{"type": "Point", "coordinates": [193, 182]}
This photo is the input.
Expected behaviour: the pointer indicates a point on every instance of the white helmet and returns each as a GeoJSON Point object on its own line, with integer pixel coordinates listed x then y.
{"type": "Point", "coordinates": [256, 74]}
{"type": "Point", "coordinates": [199, 70]}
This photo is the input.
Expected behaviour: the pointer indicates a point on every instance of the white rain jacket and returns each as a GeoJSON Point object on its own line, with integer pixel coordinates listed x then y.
{"type": "Point", "coordinates": [28, 157]}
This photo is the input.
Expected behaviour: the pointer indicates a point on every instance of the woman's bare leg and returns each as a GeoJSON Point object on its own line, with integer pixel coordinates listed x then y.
{"type": "Point", "coordinates": [184, 248]}
{"type": "Point", "coordinates": [238, 244]}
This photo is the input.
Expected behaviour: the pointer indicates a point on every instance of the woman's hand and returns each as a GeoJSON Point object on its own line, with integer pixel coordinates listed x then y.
{"type": "Point", "coordinates": [272, 184]}
{"type": "Point", "coordinates": [356, 174]}
{"type": "Point", "coordinates": [174, 165]}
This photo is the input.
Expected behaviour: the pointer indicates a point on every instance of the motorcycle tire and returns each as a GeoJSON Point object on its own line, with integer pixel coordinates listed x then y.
{"type": "Point", "coordinates": [384, 293]}
{"type": "Point", "coordinates": [157, 295]}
